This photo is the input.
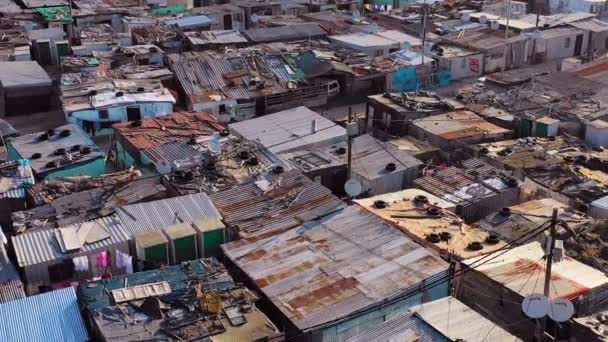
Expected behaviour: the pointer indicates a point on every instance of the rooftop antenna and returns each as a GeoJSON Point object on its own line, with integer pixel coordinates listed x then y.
{"type": "Point", "coordinates": [508, 2]}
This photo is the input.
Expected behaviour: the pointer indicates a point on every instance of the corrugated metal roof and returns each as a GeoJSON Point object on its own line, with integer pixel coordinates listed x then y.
{"type": "Point", "coordinates": [51, 316]}
{"type": "Point", "coordinates": [6, 129]}
{"type": "Point", "coordinates": [414, 219]}
{"type": "Point", "coordinates": [19, 174]}
{"type": "Point", "coordinates": [153, 216]}
{"type": "Point", "coordinates": [11, 286]}
{"type": "Point", "coordinates": [294, 199]}
{"type": "Point", "coordinates": [175, 127]}
{"type": "Point", "coordinates": [570, 278]}
{"type": "Point", "coordinates": [593, 25]}
{"type": "Point", "coordinates": [289, 129]}
{"type": "Point", "coordinates": [458, 125]}
{"type": "Point", "coordinates": [41, 246]}
{"type": "Point", "coordinates": [458, 322]}
{"type": "Point", "coordinates": [195, 20]}
{"type": "Point", "coordinates": [324, 270]}
{"type": "Point", "coordinates": [284, 33]}
{"type": "Point", "coordinates": [404, 327]}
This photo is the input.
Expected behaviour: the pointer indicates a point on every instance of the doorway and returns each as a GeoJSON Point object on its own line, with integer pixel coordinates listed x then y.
{"type": "Point", "coordinates": [578, 45]}
{"type": "Point", "coordinates": [228, 22]}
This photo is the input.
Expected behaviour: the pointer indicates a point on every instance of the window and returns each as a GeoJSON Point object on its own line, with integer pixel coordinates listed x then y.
{"type": "Point", "coordinates": [103, 114]}
{"type": "Point", "coordinates": [379, 53]}
{"type": "Point", "coordinates": [567, 43]}
{"type": "Point", "coordinates": [133, 113]}
{"type": "Point", "coordinates": [463, 63]}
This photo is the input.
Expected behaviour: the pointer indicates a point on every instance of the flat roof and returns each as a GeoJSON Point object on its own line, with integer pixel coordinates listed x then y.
{"type": "Point", "coordinates": [18, 75]}
{"type": "Point", "coordinates": [363, 39]}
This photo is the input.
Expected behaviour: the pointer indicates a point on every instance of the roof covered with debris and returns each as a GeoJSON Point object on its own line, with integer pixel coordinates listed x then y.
{"type": "Point", "coordinates": [428, 220]}
{"type": "Point", "coordinates": [11, 286]}
{"type": "Point", "coordinates": [458, 125]}
{"type": "Point", "coordinates": [224, 37]}
{"type": "Point", "coordinates": [219, 308]}
{"type": "Point", "coordinates": [333, 267]}
{"type": "Point", "coordinates": [274, 202]}
{"type": "Point", "coordinates": [68, 146]}
{"type": "Point", "coordinates": [15, 177]}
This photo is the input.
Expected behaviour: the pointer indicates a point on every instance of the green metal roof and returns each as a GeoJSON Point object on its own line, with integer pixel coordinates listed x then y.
{"type": "Point", "coordinates": [168, 10]}
{"type": "Point", "coordinates": [61, 14]}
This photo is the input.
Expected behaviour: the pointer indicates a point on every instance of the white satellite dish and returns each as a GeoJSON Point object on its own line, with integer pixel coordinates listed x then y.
{"type": "Point", "coordinates": [163, 167]}
{"type": "Point", "coordinates": [535, 306]}
{"type": "Point", "coordinates": [215, 145]}
{"type": "Point", "coordinates": [483, 19]}
{"type": "Point", "coordinates": [352, 187]}
{"type": "Point", "coordinates": [466, 17]}
{"type": "Point", "coordinates": [561, 310]}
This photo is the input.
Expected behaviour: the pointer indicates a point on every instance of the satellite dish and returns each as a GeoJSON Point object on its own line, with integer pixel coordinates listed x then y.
{"type": "Point", "coordinates": [561, 310]}
{"type": "Point", "coordinates": [352, 187]}
{"type": "Point", "coordinates": [215, 145]}
{"type": "Point", "coordinates": [483, 19]}
{"type": "Point", "coordinates": [163, 167]}
{"type": "Point", "coordinates": [535, 306]}
{"type": "Point", "coordinates": [466, 17]}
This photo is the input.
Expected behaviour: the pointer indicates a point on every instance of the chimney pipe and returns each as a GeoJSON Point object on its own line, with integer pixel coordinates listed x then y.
{"type": "Point", "coordinates": [313, 126]}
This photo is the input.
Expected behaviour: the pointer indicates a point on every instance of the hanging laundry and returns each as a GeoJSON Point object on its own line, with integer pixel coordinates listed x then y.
{"type": "Point", "coordinates": [102, 259]}
{"type": "Point", "coordinates": [129, 264]}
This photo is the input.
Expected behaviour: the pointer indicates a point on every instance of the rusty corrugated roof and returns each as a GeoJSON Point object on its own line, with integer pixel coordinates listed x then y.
{"type": "Point", "coordinates": [325, 270]}
{"type": "Point", "coordinates": [174, 127]}
{"type": "Point", "coordinates": [294, 199]}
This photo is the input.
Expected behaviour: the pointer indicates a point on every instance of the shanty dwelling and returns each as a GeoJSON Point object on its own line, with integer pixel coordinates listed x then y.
{"type": "Point", "coordinates": [289, 130]}
{"type": "Point", "coordinates": [190, 23]}
{"type": "Point", "coordinates": [220, 39]}
{"type": "Point", "coordinates": [229, 312]}
{"type": "Point", "coordinates": [59, 152]}
{"type": "Point", "coordinates": [393, 112]}
{"type": "Point", "coordinates": [379, 166]}
{"type": "Point", "coordinates": [48, 45]}
{"type": "Point", "coordinates": [26, 88]}
{"type": "Point", "coordinates": [56, 258]}
{"type": "Point", "coordinates": [55, 207]}
{"type": "Point", "coordinates": [95, 107]}
{"type": "Point", "coordinates": [596, 133]}
{"type": "Point", "coordinates": [172, 230]}
{"type": "Point", "coordinates": [192, 168]}
{"type": "Point", "coordinates": [462, 62]}
{"type": "Point", "coordinates": [558, 43]}
{"type": "Point", "coordinates": [301, 31]}
{"type": "Point", "coordinates": [228, 86]}
{"type": "Point", "coordinates": [253, 9]}
{"type": "Point", "coordinates": [11, 286]}
{"type": "Point", "coordinates": [497, 288]}
{"type": "Point", "coordinates": [454, 130]}
{"type": "Point", "coordinates": [15, 177]}
{"type": "Point", "coordinates": [476, 188]}
{"type": "Point", "coordinates": [592, 327]}
{"type": "Point", "coordinates": [278, 201]}
{"type": "Point", "coordinates": [429, 220]}
{"type": "Point", "coordinates": [411, 71]}
{"type": "Point", "coordinates": [372, 45]}
{"type": "Point", "coordinates": [133, 138]}
{"type": "Point", "coordinates": [514, 223]}
{"type": "Point", "coordinates": [332, 278]}
{"type": "Point", "coordinates": [51, 316]}
{"type": "Point", "coordinates": [492, 43]}
{"type": "Point", "coordinates": [597, 33]}
{"type": "Point", "coordinates": [445, 319]}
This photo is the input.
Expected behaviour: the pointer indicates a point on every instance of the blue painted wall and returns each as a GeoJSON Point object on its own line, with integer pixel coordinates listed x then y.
{"type": "Point", "coordinates": [117, 114]}
{"type": "Point", "coordinates": [126, 160]}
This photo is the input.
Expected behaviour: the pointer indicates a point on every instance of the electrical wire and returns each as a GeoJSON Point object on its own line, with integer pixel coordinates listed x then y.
{"type": "Point", "coordinates": [432, 284]}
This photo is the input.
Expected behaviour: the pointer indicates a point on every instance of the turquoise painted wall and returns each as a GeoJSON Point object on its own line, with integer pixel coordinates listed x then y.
{"type": "Point", "coordinates": [95, 167]}
{"type": "Point", "coordinates": [406, 80]}
{"type": "Point", "coordinates": [126, 161]}
{"type": "Point", "coordinates": [117, 114]}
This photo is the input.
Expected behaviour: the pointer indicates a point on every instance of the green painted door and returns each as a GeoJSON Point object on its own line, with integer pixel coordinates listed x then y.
{"type": "Point", "coordinates": [185, 249]}
{"type": "Point", "coordinates": [212, 241]}
{"type": "Point", "coordinates": [542, 130]}
{"type": "Point", "coordinates": [156, 253]}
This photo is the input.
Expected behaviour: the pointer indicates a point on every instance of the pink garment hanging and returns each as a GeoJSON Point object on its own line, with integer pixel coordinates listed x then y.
{"type": "Point", "coordinates": [102, 259]}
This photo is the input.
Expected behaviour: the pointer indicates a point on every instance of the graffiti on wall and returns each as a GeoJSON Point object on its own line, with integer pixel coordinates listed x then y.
{"type": "Point", "coordinates": [474, 65]}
